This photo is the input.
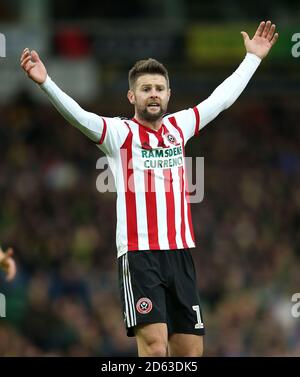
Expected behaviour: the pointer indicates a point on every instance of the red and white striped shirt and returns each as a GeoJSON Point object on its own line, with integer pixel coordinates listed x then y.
{"type": "Point", "coordinates": [153, 212]}
{"type": "Point", "coordinates": [148, 166]}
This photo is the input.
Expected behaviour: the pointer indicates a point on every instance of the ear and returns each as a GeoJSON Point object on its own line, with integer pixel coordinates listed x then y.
{"type": "Point", "coordinates": [169, 94]}
{"type": "Point", "coordinates": [131, 97]}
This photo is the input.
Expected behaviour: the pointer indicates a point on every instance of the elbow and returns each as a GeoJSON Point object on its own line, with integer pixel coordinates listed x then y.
{"type": "Point", "coordinates": [228, 103]}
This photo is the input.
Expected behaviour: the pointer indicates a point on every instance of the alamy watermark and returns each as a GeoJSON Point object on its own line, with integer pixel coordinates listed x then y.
{"type": "Point", "coordinates": [2, 46]}
{"type": "Point", "coordinates": [154, 172]}
{"type": "Point", "coordinates": [296, 46]}
{"type": "Point", "coordinates": [2, 306]}
{"type": "Point", "coordinates": [296, 307]}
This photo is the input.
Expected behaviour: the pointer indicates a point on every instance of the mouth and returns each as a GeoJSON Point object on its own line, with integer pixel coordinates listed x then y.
{"type": "Point", "coordinates": [153, 105]}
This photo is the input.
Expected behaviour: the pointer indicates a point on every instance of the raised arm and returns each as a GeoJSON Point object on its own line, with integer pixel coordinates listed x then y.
{"type": "Point", "coordinates": [88, 123]}
{"type": "Point", "coordinates": [226, 94]}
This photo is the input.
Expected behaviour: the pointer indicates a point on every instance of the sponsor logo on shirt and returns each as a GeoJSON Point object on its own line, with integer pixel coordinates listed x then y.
{"type": "Point", "coordinates": [162, 158]}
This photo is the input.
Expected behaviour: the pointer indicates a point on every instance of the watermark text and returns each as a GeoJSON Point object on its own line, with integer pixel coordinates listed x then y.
{"type": "Point", "coordinates": [2, 46]}
{"type": "Point", "coordinates": [2, 306]}
{"type": "Point", "coordinates": [155, 171]}
{"type": "Point", "coordinates": [296, 307]}
{"type": "Point", "coordinates": [296, 46]}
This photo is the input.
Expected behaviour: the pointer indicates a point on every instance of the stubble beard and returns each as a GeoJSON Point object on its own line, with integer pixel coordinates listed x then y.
{"type": "Point", "coordinates": [150, 117]}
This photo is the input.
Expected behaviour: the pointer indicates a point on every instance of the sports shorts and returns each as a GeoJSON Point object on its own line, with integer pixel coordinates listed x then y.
{"type": "Point", "coordinates": [159, 286]}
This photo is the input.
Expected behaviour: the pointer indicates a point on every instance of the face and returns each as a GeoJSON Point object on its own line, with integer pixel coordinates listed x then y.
{"type": "Point", "coordinates": [150, 97]}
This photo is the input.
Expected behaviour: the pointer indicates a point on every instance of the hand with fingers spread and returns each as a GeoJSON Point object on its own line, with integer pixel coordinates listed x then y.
{"type": "Point", "coordinates": [33, 66]}
{"type": "Point", "coordinates": [263, 39]}
{"type": "Point", "coordinates": [7, 264]}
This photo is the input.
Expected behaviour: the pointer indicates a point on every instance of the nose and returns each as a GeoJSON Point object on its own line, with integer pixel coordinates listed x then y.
{"type": "Point", "coordinates": [154, 93]}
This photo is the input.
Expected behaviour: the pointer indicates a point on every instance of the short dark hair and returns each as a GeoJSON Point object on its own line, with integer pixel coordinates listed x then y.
{"type": "Point", "coordinates": [145, 66]}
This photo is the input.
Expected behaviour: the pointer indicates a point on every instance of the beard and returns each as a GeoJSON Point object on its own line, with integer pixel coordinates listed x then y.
{"type": "Point", "coordinates": [145, 114]}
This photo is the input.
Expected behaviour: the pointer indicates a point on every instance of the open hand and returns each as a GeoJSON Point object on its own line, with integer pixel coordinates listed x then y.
{"type": "Point", "coordinates": [263, 39]}
{"type": "Point", "coordinates": [33, 66]}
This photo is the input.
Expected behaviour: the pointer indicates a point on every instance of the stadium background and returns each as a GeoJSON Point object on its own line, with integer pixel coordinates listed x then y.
{"type": "Point", "coordinates": [64, 300]}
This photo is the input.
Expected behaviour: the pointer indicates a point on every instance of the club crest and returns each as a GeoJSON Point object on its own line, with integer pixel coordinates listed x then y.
{"type": "Point", "coordinates": [144, 305]}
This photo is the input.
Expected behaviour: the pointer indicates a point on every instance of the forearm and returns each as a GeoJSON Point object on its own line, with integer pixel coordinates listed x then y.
{"type": "Point", "coordinates": [88, 123]}
{"type": "Point", "coordinates": [230, 89]}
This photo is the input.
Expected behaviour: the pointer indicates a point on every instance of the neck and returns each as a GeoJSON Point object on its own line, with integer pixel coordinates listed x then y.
{"type": "Point", "coordinates": [155, 125]}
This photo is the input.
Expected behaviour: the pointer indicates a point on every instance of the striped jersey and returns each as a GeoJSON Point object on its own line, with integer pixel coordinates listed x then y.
{"type": "Point", "coordinates": [148, 166]}
{"type": "Point", "coordinates": [153, 212]}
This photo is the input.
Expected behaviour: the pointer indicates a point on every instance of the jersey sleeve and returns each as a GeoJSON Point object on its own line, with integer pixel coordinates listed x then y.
{"type": "Point", "coordinates": [113, 135]}
{"type": "Point", "coordinates": [188, 121]}
{"type": "Point", "coordinates": [229, 90]}
{"type": "Point", "coordinates": [108, 133]}
{"type": "Point", "coordinates": [192, 120]}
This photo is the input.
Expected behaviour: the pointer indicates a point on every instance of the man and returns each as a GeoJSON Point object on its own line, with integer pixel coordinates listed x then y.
{"type": "Point", "coordinates": [154, 227]}
{"type": "Point", "coordinates": [7, 263]}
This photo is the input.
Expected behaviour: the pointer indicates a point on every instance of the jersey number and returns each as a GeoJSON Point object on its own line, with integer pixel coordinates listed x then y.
{"type": "Point", "coordinates": [199, 324]}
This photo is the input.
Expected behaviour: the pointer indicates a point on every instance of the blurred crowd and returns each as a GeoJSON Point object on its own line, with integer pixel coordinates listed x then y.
{"type": "Point", "coordinates": [65, 299]}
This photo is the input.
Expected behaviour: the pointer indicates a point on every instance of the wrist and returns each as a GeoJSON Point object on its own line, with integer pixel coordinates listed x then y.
{"type": "Point", "coordinates": [253, 57]}
{"type": "Point", "coordinates": [45, 82]}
